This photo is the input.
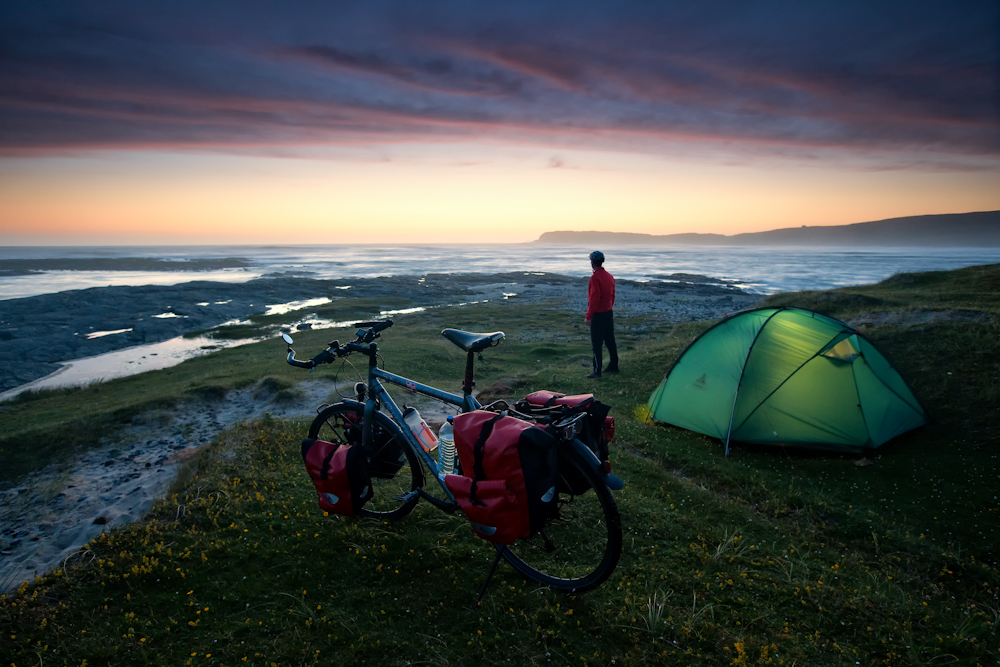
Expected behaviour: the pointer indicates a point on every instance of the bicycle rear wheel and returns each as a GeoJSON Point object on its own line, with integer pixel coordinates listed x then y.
{"type": "Point", "coordinates": [394, 467]}
{"type": "Point", "coordinates": [581, 543]}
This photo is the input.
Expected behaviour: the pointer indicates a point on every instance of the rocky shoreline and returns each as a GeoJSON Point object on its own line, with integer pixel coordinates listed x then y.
{"type": "Point", "coordinates": [39, 333]}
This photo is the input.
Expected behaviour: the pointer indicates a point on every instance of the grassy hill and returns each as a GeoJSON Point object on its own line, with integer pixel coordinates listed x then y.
{"type": "Point", "coordinates": [769, 557]}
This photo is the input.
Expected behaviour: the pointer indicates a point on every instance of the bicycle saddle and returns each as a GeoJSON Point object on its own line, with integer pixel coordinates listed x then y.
{"type": "Point", "coordinates": [473, 342]}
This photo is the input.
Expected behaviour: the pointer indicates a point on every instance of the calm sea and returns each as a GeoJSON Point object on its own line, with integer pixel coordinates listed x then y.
{"type": "Point", "coordinates": [761, 269]}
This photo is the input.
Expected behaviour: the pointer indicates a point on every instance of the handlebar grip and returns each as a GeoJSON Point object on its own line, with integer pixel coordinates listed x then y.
{"type": "Point", "coordinates": [292, 361]}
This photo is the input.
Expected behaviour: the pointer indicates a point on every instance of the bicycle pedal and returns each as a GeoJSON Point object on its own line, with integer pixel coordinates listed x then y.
{"type": "Point", "coordinates": [407, 497]}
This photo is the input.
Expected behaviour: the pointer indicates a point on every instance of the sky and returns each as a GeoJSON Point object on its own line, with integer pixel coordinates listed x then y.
{"type": "Point", "coordinates": [464, 122]}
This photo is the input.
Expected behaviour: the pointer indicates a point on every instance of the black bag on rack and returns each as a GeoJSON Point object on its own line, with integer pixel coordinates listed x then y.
{"type": "Point", "coordinates": [598, 428]}
{"type": "Point", "coordinates": [386, 456]}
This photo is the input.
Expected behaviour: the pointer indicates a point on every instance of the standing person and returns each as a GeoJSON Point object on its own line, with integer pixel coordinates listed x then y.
{"type": "Point", "coordinates": [599, 317]}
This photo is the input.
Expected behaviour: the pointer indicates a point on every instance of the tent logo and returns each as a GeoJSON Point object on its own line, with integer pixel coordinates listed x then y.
{"type": "Point", "coordinates": [700, 382]}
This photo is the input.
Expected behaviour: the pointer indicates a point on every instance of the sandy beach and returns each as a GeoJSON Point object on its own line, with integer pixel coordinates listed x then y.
{"type": "Point", "coordinates": [47, 517]}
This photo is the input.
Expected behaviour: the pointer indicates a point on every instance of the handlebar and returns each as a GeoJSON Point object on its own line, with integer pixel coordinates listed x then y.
{"type": "Point", "coordinates": [367, 332]}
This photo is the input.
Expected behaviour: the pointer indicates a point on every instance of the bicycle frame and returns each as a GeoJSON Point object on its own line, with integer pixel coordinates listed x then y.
{"type": "Point", "coordinates": [377, 393]}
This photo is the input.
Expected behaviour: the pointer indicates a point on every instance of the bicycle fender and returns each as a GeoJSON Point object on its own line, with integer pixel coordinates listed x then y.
{"type": "Point", "coordinates": [613, 482]}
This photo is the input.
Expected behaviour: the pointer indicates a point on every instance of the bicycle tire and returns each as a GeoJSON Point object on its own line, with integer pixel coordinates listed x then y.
{"type": "Point", "coordinates": [341, 423]}
{"type": "Point", "coordinates": [581, 543]}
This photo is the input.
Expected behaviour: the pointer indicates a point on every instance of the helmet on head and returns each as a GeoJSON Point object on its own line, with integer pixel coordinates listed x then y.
{"type": "Point", "coordinates": [597, 256]}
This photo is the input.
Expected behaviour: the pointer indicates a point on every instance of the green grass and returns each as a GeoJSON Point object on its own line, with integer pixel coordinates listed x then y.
{"type": "Point", "coordinates": [39, 428]}
{"type": "Point", "coordinates": [769, 557]}
{"type": "Point", "coordinates": [976, 288]}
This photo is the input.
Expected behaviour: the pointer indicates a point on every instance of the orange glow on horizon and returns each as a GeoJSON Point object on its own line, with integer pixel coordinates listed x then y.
{"type": "Point", "coordinates": [132, 197]}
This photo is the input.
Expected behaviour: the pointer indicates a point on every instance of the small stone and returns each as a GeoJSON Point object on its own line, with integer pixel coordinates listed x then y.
{"type": "Point", "coordinates": [101, 520]}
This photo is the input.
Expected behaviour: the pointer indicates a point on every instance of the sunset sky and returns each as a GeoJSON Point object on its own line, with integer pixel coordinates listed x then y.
{"type": "Point", "coordinates": [264, 122]}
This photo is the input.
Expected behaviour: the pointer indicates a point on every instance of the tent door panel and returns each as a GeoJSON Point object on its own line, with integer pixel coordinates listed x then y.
{"type": "Point", "coordinates": [817, 404]}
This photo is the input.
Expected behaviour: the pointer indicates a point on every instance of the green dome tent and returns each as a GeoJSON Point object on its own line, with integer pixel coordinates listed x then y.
{"type": "Point", "coordinates": [787, 376]}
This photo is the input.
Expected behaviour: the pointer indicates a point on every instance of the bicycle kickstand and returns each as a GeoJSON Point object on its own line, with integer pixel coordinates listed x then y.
{"type": "Point", "coordinates": [482, 591]}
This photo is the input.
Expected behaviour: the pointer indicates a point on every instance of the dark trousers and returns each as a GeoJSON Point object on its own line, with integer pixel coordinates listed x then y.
{"type": "Point", "coordinates": [602, 332]}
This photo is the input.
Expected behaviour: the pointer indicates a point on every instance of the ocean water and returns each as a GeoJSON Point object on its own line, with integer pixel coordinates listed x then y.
{"type": "Point", "coordinates": [764, 270]}
{"type": "Point", "coordinates": [761, 270]}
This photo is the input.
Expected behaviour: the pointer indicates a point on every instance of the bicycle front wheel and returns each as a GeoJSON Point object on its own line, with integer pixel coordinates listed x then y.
{"type": "Point", "coordinates": [394, 468]}
{"type": "Point", "coordinates": [581, 543]}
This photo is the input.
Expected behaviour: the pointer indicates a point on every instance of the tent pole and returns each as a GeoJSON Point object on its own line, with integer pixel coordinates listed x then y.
{"type": "Point", "coordinates": [743, 371]}
{"type": "Point", "coordinates": [732, 414]}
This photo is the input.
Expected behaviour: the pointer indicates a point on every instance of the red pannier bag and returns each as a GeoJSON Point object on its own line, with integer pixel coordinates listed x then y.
{"type": "Point", "coordinates": [340, 475]}
{"type": "Point", "coordinates": [512, 490]}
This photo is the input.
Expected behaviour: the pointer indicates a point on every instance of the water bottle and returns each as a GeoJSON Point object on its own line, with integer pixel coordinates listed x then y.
{"type": "Point", "coordinates": [420, 430]}
{"type": "Point", "coordinates": [446, 452]}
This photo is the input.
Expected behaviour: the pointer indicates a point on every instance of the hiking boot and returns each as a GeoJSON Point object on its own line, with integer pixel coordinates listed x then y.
{"type": "Point", "coordinates": [594, 376]}
{"type": "Point", "coordinates": [609, 369]}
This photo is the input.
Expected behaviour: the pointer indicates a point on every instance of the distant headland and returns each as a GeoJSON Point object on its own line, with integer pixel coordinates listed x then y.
{"type": "Point", "coordinates": [952, 229]}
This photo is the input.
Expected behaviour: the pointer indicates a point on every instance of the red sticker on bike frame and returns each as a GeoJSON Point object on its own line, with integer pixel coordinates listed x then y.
{"type": "Point", "coordinates": [411, 386]}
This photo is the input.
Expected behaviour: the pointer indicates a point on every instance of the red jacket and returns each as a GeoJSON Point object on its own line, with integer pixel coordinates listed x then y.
{"type": "Point", "coordinates": [600, 293]}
